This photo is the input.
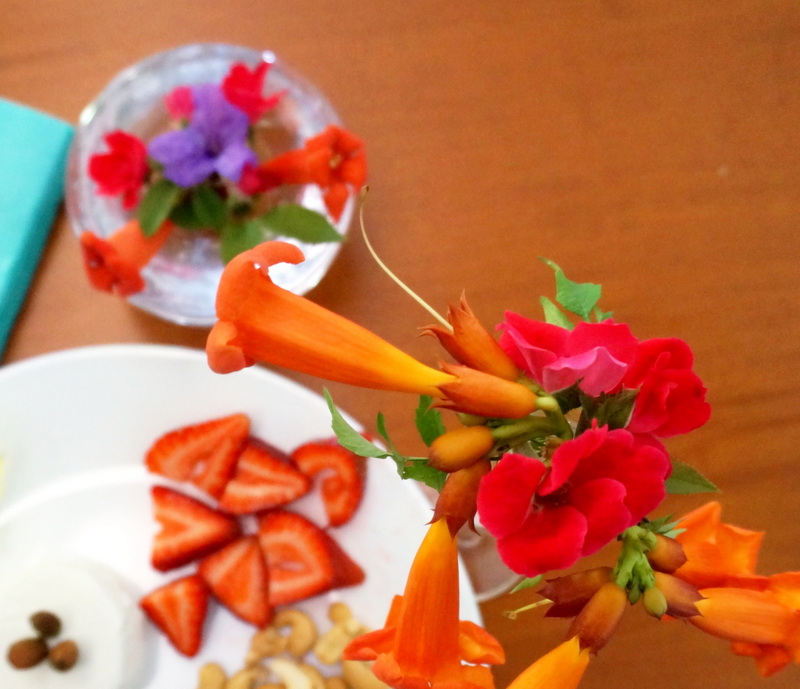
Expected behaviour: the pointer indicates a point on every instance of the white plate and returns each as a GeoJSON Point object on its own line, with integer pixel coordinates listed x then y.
{"type": "Point", "coordinates": [74, 427]}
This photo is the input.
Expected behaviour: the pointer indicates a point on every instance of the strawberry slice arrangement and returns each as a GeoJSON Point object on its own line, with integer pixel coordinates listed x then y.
{"type": "Point", "coordinates": [285, 559]}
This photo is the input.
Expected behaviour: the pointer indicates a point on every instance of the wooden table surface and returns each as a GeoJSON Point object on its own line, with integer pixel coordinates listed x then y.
{"type": "Point", "coordinates": [651, 147]}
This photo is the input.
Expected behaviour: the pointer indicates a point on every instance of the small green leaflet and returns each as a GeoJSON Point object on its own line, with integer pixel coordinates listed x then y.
{"type": "Point", "coordinates": [429, 420]}
{"type": "Point", "coordinates": [415, 468]}
{"type": "Point", "coordinates": [156, 205]}
{"type": "Point", "coordinates": [407, 467]}
{"type": "Point", "coordinates": [239, 237]}
{"type": "Point", "coordinates": [578, 298]}
{"type": "Point", "coordinates": [293, 220]}
{"type": "Point", "coordinates": [553, 315]}
{"type": "Point", "coordinates": [348, 436]}
{"type": "Point", "coordinates": [209, 207]}
{"type": "Point", "coordinates": [528, 583]}
{"type": "Point", "coordinates": [684, 480]}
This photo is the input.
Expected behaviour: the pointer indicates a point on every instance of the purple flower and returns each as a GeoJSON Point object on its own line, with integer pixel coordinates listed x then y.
{"type": "Point", "coordinates": [214, 141]}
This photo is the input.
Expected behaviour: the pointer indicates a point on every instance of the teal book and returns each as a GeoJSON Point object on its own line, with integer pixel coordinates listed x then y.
{"type": "Point", "coordinates": [33, 157]}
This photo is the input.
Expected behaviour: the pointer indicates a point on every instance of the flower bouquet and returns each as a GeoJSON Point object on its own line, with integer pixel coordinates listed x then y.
{"type": "Point", "coordinates": [228, 149]}
{"type": "Point", "coordinates": [558, 448]}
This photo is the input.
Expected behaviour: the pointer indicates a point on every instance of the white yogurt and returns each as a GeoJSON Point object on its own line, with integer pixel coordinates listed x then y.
{"type": "Point", "coordinates": [96, 611]}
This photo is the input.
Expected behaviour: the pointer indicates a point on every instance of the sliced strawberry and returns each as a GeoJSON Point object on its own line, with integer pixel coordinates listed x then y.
{"type": "Point", "coordinates": [297, 554]}
{"type": "Point", "coordinates": [179, 610]}
{"type": "Point", "coordinates": [204, 453]}
{"type": "Point", "coordinates": [190, 529]}
{"type": "Point", "coordinates": [341, 474]}
{"type": "Point", "coordinates": [263, 479]}
{"type": "Point", "coordinates": [346, 572]}
{"type": "Point", "coordinates": [237, 576]}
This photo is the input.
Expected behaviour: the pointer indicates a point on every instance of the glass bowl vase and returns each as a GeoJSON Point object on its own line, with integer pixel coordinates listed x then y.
{"type": "Point", "coordinates": [181, 280]}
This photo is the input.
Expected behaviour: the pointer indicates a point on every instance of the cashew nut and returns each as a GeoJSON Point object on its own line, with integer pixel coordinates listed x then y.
{"type": "Point", "coordinates": [335, 683]}
{"type": "Point", "coordinates": [317, 680]}
{"type": "Point", "coordinates": [345, 628]}
{"type": "Point", "coordinates": [290, 674]}
{"type": "Point", "coordinates": [211, 676]}
{"type": "Point", "coordinates": [266, 643]}
{"type": "Point", "coordinates": [302, 634]}
{"type": "Point", "coordinates": [247, 678]}
{"type": "Point", "coordinates": [358, 675]}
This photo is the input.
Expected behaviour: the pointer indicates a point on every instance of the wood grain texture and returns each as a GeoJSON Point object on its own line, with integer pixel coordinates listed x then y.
{"type": "Point", "coordinates": [651, 147]}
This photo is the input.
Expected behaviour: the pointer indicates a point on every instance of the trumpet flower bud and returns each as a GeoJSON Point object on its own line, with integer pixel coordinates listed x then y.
{"type": "Point", "coordinates": [475, 392]}
{"type": "Point", "coordinates": [680, 595]}
{"type": "Point", "coordinates": [471, 344]}
{"type": "Point", "coordinates": [655, 602]}
{"type": "Point", "coordinates": [460, 448]}
{"type": "Point", "coordinates": [573, 591]}
{"type": "Point", "coordinates": [600, 617]}
{"type": "Point", "coordinates": [457, 502]}
{"type": "Point", "coordinates": [667, 555]}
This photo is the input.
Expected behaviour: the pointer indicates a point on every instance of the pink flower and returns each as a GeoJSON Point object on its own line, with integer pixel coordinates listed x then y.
{"type": "Point", "coordinates": [244, 88]}
{"type": "Point", "coordinates": [597, 485]}
{"type": "Point", "coordinates": [180, 103]}
{"type": "Point", "coordinates": [594, 355]}
{"type": "Point", "coordinates": [122, 170]}
{"type": "Point", "coordinates": [671, 398]}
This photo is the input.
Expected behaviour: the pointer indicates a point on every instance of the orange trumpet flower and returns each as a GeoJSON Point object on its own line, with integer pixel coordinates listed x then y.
{"type": "Point", "coordinates": [259, 321]}
{"type": "Point", "coordinates": [424, 645]}
{"type": "Point", "coordinates": [718, 554]}
{"type": "Point", "coordinates": [562, 668]}
{"type": "Point", "coordinates": [115, 264]}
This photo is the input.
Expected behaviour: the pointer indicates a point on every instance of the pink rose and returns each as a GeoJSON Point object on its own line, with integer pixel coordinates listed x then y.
{"type": "Point", "coordinates": [671, 397]}
{"type": "Point", "coordinates": [597, 485]}
{"type": "Point", "coordinates": [596, 354]}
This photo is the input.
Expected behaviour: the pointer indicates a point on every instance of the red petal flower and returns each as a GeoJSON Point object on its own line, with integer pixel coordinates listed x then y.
{"type": "Point", "coordinates": [122, 170]}
{"type": "Point", "coordinates": [597, 486]}
{"type": "Point", "coordinates": [244, 88]}
{"type": "Point", "coordinates": [671, 397]}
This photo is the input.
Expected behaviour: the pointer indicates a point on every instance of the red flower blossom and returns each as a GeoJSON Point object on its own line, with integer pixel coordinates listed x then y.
{"type": "Point", "coordinates": [597, 486]}
{"type": "Point", "coordinates": [244, 88]}
{"type": "Point", "coordinates": [595, 355]}
{"type": "Point", "coordinates": [671, 398]}
{"type": "Point", "coordinates": [122, 170]}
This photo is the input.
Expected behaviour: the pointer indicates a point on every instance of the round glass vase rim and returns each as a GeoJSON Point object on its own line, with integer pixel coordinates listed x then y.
{"type": "Point", "coordinates": [311, 111]}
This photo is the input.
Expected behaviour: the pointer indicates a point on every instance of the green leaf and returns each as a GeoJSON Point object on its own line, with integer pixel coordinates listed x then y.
{"type": "Point", "coordinates": [209, 207]}
{"type": "Point", "coordinates": [528, 583]}
{"type": "Point", "coordinates": [415, 468]}
{"type": "Point", "coordinates": [685, 480]}
{"type": "Point", "coordinates": [184, 216]}
{"type": "Point", "coordinates": [429, 420]}
{"type": "Point", "coordinates": [553, 315]}
{"type": "Point", "coordinates": [418, 469]}
{"type": "Point", "coordinates": [348, 436]}
{"type": "Point", "coordinates": [293, 220]}
{"type": "Point", "coordinates": [156, 205]}
{"type": "Point", "coordinates": [577, 297]}
{"type": "Point", "coordinates": [239, 237]}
